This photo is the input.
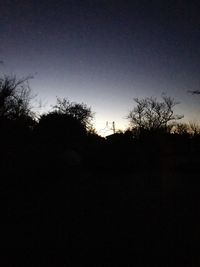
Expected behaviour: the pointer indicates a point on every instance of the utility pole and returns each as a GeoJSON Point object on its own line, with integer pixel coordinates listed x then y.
{"type": "Point", "coordinates": [113, 127]}
{"type": "Point", "coordinates": [109, 127]}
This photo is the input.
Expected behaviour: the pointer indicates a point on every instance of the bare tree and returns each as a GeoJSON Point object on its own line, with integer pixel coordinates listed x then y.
{"type": "Point", "coordinates": [194, 127]}
{"type": "Point", "coordinates": [151, 114]}
{"type": "Point", "coordinates": [15, 98]}
{"type": "Point", "coordinates": [181, 128]}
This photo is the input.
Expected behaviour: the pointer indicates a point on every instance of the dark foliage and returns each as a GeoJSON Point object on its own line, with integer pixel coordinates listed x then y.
{"type": "Point", "coordinates": [78, 111]}
{"type": "Point", "coordinates": [15, 99]}
{"type": "Point", "coordinates": [58, 127]}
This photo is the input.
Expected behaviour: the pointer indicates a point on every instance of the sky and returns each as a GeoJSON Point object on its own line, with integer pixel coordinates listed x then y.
{"type": "Point", "coordinates": [104, 53]}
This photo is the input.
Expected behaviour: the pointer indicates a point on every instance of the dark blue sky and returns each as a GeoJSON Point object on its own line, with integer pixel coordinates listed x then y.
{"type": "Point", "coordinates": [104, 52]}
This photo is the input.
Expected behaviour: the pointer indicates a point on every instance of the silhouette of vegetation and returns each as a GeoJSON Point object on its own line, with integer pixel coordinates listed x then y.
{"type": "Point", "coordinates": [111, 200]}
{"type": "Point", "coordinates": [181, 128]}
{"type": "Point", "coordinates": [79, 111]}
{"type": "Point", "coordinates": [15, 98]}
{"type": "Point", "coordinates": [59, 127]}
{"type": "Point", "coordinates": [194, 128]}
{"type": "Point", "coordinates": [151, 114]}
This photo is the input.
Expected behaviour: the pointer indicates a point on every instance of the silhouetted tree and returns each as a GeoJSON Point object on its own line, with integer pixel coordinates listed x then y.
{"type": "Point", "coordinates": [15, 99]}
{"type": "Point", "coordinates": [181, 128]}
{"type": "Point", "coordinates": [60, 129]}
{"type": "Point", "coordinates": [16, 122]}
{"type": "Point", "coordinates": [194, 127]}
{"type": "Point", "coordinates": [151, 114]}
{"type": "Point", "coordinates": [80, 111]}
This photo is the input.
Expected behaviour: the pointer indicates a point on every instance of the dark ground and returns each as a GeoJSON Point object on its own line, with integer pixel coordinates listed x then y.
{"type": "Point", "coordinates": [128, 203]}
{"type": "Point", "coordinates": [100, 218]}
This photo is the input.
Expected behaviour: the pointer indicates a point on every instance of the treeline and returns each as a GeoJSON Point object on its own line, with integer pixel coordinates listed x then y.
{"type": "Point", "coordinates": [65, 137]}
{"type": "Point", "coordinates": [70, 195]}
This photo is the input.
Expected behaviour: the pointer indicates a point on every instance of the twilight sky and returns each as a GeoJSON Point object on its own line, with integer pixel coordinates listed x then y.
{"type": "Point", "coordinates": [104, 52]}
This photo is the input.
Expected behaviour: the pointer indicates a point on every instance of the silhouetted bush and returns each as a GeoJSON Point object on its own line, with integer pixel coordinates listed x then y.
{"type": "Point", "coordinates": [80, 111]}
{"type": "Point", "coordinates": [60, 128]}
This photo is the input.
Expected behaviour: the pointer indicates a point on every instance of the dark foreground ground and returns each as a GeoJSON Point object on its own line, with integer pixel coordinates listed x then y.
{"type": "Point", "coordinates": [100, 217]}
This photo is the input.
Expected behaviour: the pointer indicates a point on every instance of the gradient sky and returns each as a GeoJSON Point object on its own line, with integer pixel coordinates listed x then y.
{"type": "Point", "coordinates": [104, 52]}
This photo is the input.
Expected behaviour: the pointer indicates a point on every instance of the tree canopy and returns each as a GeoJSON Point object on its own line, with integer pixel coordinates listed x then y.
{"type": "Point", "coordinates": [151, 114]}
{"type": "Point", "coordinates": [80, 111]}
{"type": "Point", "coordinates": [15, 98]}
